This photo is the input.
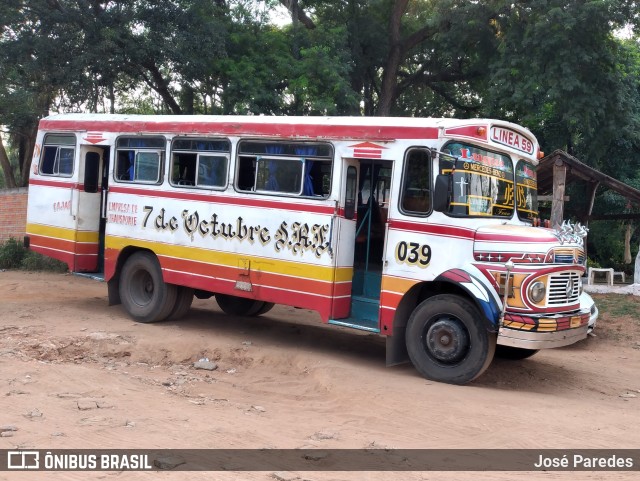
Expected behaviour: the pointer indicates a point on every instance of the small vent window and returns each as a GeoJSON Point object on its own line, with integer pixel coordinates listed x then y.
{"type": "Point", "coordinates": [58, 155]}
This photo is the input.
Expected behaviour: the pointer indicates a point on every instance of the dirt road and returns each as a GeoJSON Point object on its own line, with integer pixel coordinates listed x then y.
{"type": "Point", "coordinates": [75, 373]}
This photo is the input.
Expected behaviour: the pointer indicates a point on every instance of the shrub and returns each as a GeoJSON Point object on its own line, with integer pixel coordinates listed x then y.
{"type": "Point", "coordinates": [32, 261]}
{"type": "Point", "coordinates": [11, 254]}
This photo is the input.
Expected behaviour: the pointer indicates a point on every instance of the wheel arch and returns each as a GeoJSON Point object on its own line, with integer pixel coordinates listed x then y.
{"type": "Point", "coordinates": [455, 282]}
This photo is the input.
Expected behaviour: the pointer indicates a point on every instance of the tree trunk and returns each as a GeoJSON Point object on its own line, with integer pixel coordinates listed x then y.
{"type": "Point", "coordinates": [7, 170]}
{"type": "Point", "coordinates": [158, 83]}
{"type": "Point", "coordinates": [636, 272]}
{"type": "Point", "coordinates": [297, 14]}
{"type": "Point", "coordinates": [25, 162]}
{"type": "Point", "coordinates": [627, 244]}
{"type": "Point", "coordinates": [389, 87]}
{"type": "Point", "coordinates": [112, 99]}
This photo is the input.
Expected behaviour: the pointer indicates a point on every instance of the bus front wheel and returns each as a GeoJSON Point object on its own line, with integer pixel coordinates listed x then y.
{"type": "Point", "coordinates": [144, 294]}
{"type": "Point", "coordinates": [447, 340]}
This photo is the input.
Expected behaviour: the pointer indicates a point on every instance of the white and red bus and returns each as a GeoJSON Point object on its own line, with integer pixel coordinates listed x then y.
{"type": "Point", "coordinates": [420, 230]}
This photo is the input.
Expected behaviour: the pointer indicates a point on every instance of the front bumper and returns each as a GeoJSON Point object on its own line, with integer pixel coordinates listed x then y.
{"type": "Point", "coordinates": [540, 340]}
{"type": "Point", "coordinates": [545, 332]}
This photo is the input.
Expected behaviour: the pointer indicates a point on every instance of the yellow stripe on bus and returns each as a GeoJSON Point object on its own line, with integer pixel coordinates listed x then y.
{"type": "Point", "coordinates": [397, 284]}
{"type": "Point", "coordinates": [63, 233]}
{"type": "Point", "coordinates": [229, 259]}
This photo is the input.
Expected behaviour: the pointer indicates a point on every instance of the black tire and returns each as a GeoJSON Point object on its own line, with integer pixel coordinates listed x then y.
{"type": "Point", "coordinates": [238, 306]}
{"type": "Point", "coordinates": [203, 294]}
{"type": "Point", "coordinates": [143, 292]}
{"type": "Point", "coordinates": [448, 341]}
{"type": "Point", "coordinates": [265, 308]}
{"type": "Point", "coordinates": [514, 353]}
{"type": "Point", "coordinates": [183, 303]}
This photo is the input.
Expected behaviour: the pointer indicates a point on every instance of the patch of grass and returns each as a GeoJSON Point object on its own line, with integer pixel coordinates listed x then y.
{"type": "Point", "coordinates": [616, 305]}
{"type": "Point", "coordinates": [619, 317]}
{"type": "Point", "coordinates": [13, 255]}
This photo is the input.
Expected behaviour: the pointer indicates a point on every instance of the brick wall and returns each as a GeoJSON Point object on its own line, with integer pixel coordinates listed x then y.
{"type": "Point", "coordinates": [13, 213]}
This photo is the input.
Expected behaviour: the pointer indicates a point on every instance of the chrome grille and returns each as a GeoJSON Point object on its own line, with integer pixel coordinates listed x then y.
{"type": "Point", "coordinates": [564, 288]}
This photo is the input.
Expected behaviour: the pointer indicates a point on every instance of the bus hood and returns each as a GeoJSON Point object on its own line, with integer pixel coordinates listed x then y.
{"type": "Point", "coordinates": [524, 244]}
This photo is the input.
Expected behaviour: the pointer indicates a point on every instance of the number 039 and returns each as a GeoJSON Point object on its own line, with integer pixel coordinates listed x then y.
{"type": "Point", "coordinates": [413, 253]}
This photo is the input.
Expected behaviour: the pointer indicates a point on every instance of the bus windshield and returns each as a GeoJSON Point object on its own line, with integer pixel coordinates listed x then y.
{"type": "Point", "coordinates": [482, 181]}
{"type": "Point", "coordinates": [526, 191]}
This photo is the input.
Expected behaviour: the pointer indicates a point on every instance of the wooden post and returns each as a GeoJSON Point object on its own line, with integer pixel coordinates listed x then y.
{"type": "Point", "coordinates": [592, 188]}
{"type": "Point", "coordinates": [559, 181]}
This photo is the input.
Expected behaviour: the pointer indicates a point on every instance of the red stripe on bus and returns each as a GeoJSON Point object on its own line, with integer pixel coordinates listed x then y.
{"type": "Point", "coordinates": [55, 183]}
{"type": "Point", "coordinates": [259, 278]}
{"type": "Point", "coordinates": [507, 238]}
{"type": "Point", "coordinates": [78, 248]}
{"type": "Point", "coordinates": [63, 256]}
{"type": "Point", "coordinates": [434, 229]}
{"type": "Point", "coordinates": [232, 127]}
{"type": "Point", "coordinates": [468, 131]}
{"type": "Point", "coordinates": [223, 199]}
{"type": "Point", "coordinates": [265, 293]}
{"type": "Point", "coordinates": [342, 289]}
{"type": "Point", "coordinates": [340, 308]}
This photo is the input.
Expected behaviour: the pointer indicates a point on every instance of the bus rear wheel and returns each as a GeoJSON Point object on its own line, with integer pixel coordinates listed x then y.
{"type": "Point", "coordinates": [183, 303]}
{"type": "Point", "coordinates": [240, 306]}
{"type": "Point", "coordinates": [143, 292]}
{"type": "Point", "coordinates": [447, 340]}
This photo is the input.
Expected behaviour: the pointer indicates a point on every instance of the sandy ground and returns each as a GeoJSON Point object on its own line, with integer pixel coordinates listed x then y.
{"type": "Point", "coordinates": [75, 373]}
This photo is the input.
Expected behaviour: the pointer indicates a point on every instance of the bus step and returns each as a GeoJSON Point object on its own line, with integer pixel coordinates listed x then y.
{"type": "Point", "coordinates": [366, 284]}
{"type": "Point", "coordinates": [96, 276]}
{"type": "Point", "coordinates": [364, 315]}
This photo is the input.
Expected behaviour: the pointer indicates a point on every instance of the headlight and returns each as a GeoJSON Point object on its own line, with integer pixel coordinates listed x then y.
{"type": "Point", "coordinates": [537, 290]}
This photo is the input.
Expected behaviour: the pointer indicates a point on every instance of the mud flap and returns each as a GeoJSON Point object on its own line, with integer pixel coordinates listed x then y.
{"type": "Point", "coordinates": [113, 291]}
{"type": "Point", "coordinates": [396, 348]}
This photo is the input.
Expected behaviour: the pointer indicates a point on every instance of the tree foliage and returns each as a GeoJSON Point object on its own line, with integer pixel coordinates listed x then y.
{"type": "Point", "coordinates": [555, 66]}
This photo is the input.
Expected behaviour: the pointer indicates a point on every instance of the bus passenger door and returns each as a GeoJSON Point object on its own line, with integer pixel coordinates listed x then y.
{"type": "Point", "coordinates": [89, 208]}
{"type": "Point", "coordinates": [344, 233]}
{"type": "Point", "coordinates": [361, 242]}
{"type": "Point", "coordinates": [372, 207]}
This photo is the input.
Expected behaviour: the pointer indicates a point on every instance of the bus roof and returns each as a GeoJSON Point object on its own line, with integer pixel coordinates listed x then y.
{"type": "Point", "coordinates": [340, 128]}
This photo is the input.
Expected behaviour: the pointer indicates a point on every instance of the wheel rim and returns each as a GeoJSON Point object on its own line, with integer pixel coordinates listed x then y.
{"type": "Point", "coordinates": [447, 340]}
{"type": "Point", "coordinates": [143, 288]}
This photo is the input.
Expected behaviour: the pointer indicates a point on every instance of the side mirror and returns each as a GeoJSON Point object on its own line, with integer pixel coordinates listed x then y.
{"type": "Point", "coordinates": [441, 193]}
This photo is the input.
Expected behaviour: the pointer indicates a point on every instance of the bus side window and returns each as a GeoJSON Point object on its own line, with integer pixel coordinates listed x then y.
{"type": "Point", "coordinates": [416, 183]}
{"type": "Point", "coordinates": [147, 167]}
{"type": "Point", "coordinates": [212, 170]}
{"type": "Point", "coordinates": [200, 162]}
{"type": "Point", "coordinates": [124, 165]}
{"type": "Point", "coordinates": [58, 155]}
{"type": "Point", "coordinates": [139, 159]}
{"type": "Point", "coordinates": [285, 167]}
{"type": "Point", "coordinates": [245, 180]}
{"type": "Point", "coordinates": [183, 170]}
{"type": "Point", "coordinates": [279, 175]}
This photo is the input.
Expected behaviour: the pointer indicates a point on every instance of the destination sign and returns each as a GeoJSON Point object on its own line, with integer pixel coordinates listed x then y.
{"type": "Point", "coordinates": [512, 139]}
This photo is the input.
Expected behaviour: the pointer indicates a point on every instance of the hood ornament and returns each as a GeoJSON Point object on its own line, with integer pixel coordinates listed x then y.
{"type": "Point", "coordinates": [568, 232]}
